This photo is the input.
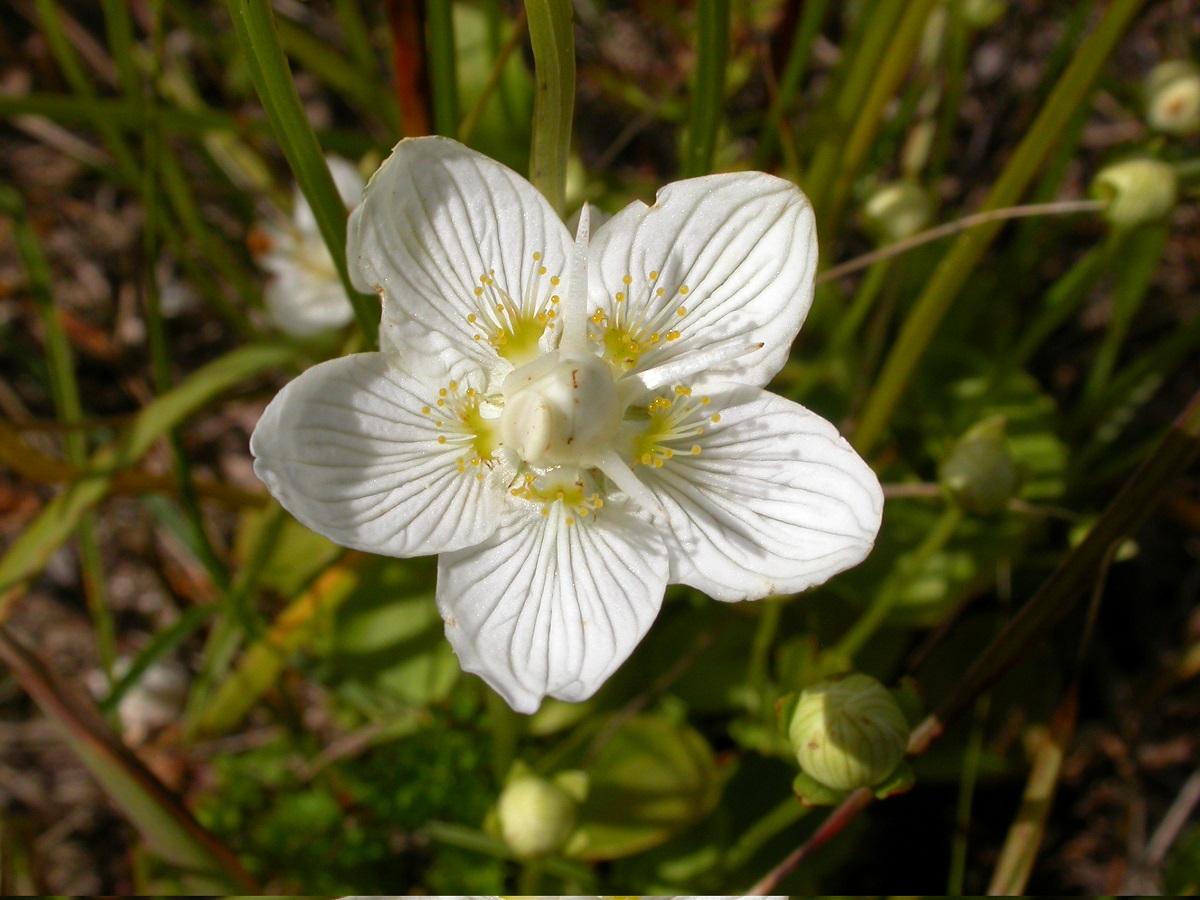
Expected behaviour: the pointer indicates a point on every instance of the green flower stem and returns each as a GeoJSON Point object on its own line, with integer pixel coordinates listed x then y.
{"type": "Point", "coordinates": [972, 755]}
{"type": "Point", "coordinates": [876, 279]}
{"type": "Point", "coordinates": [254, 26]}
{"type": "Point", "coordinates": [889, 73]}
{"type": "Point", "coordinates": [708, 91]}
{"type": "Point", "coordinates": [889, 592]}
{"type": "Point", "coordinates": [443, 79]}
{"type": "Point", "coordinates": [803, 40]}
{"type": "Point", "coordinates": [956, 268]}
{"type": "Point", "coordinates": [503, 55]}
{"type": "Point", "coordinates": [1131, 283]}
{"type": "Point", "coordinates": [787, 813]}
{"type": "Point", "coordinates": [64, 390]}
{"type": "Point", "coordinates": [552, 35]}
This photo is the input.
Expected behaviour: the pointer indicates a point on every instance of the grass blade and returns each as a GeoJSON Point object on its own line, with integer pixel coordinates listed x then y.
{"type": "Point", "coordinates": [708, 93]}
{"type": "Point", "coordinates": [551, 32]}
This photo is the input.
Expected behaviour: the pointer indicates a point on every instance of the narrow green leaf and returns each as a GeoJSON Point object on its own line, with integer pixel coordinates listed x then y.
{"type": "Point", "coordinates": [164, 822]}
{"type": "Point", "coordinates": [443, 81]}
{"type": "Point", "coordinates": [551, 32]}
{"type": "Point", "coordinates": [708, 92]}
{"type": "Point", "coordinates": [254, 26]}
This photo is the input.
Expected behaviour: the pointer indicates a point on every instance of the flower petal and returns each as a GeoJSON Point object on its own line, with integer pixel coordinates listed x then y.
{"type": "Point", "coordinates": [348, 450]}
{"type": "Point", "coordinates": [775, 502]}
{"type": "Point", "coordinates": [304, 299]}
{"type": "Point", "coordinates": [435, 219]}
{"type": "Point", "coordinates": [546, 608]}
{"type": "Point", "coordinates": [725, 259]}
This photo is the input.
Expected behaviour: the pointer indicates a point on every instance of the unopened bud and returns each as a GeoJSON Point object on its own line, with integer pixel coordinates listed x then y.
{"type": "Point", "coordinates": [978, 472]}
{"type": "Point", "coordinates": [1172, 92]}
{"type": "Point", "coordinates": [536, 816]}
{"type": "Point", "coordinates": [1136, 191]}
{"type": "Point", "coordinates": [848, 732]}
{"type": "Point", "coordinates": [896, 211]}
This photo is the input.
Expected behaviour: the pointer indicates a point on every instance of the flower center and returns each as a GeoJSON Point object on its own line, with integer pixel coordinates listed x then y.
{"type": "Point", "coordinates": [560, 410]}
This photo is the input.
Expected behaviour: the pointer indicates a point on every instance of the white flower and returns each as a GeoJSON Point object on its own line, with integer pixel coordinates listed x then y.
{"type": "Point", "coordinates": [304, 295]}
{"type": "Point", "coordinates": [572, 425]}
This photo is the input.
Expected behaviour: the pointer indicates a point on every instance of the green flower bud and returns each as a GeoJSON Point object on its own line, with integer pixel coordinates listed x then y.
{"type": "Point", "coordinates": [1136, 191]}
{"type": "Point", "coordinates": [978, 472]}
{"type": "Point", "coordinates": [896, 211]}
{"type": "Point", "coordinates": [1172, 92]}
{"type": "Point", "coordinates": [848, 732]}
{"type": "Point", "coordinates": [536, 816]}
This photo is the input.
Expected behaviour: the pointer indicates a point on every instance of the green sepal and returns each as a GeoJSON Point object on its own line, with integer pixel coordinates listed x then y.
{"type": "Point", "coordinates": [901, 780]}
{"type": "Point", "coordinates": [812, 793]}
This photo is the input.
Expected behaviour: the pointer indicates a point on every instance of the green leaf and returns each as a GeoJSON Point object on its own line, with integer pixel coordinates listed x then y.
{"type": "Point", "coordinates": [551, 32]}
{"type": "Point", "coordinates": [207, 866]}
{"type": "Point", "coordinates": [647, 779]}
{"type": "Point", "coordinates": [30, 551]}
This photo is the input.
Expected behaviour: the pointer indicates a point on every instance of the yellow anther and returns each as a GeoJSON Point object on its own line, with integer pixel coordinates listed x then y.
{"type": "Point", "coordinates": [704, 401]}
{"type": "Point", "coordinates": [554, 280]}
{"type": "Point", "coordinates": [478, 293]}
{"type": "Point", "coordinates": [442, 392]}
{"type": "Point", "coordinates": [620, 296]}
{"type": "Point", "coordinates": [660, 292]}
{"type": "Point", "coordinates": [653, 275]}
{"type": "Point", "coordinates": [716, 417]}
{"type": "Point", "coordinates": [545, 510]}
{"type": "Point", "coordinates": [570, 521]}
{"type": "Point", "coordinates": [695, 449]}
{"type": "Point", "coordinates": [681, 312]}
{"type": "Point", "coordinates": [627, 279]}
{"type": "Point", "coordinates": [441, 439]}
{"type": "Point", "coordinates": [554, 299]}
{"type": "Point", "coordinates": [453, 386]}
{"type": "Point", "coordinates": [441, 403]}
{"type": "Point", "coordinates": [537, 257]}
{"type": "Point", "coordinates": [541, 270]}
{"type": "Point", "coordinates": [472, 318]}
{"type": "Point", "coordinates": [683, 289]}
{"type": "Point", "coordinates": [426, 410]}
{"type": "Point", "coordinates": [672, 335]}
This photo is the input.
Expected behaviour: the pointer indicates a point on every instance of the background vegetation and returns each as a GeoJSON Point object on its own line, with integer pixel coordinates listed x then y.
{"type": "Point", "coordinates": [200, 695]}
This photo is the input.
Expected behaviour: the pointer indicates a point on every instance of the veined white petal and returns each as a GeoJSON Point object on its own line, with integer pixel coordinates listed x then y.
{"type": "Point", "coordinates": [351, 448]}
{"type": "Point", "coordinates": [304, 295]}
{"type": "Point", "coordinates": [546, 608]}
{"type": "Point", "coordinates": [774, 502]}
{"type": "Point", "coordinates": [715, 260]}
{"type": "Point", "coordinates": [459, 245]}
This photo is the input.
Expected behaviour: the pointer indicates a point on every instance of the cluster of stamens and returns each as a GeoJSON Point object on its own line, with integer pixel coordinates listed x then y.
{"type": "Point", "coordinates": [674, 419]}
{"type": "Point", "coordinates": [573, 497]}
{"type": "Point", "coordinates": [457, 416]}
{"type": "Point", "coordinates": [514, 327]}
{"type": "Point", "coordinates": [633, 328]}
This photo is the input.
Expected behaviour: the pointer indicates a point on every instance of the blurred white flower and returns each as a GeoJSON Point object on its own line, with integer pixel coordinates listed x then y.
{"type": "Point", "coordinates": [304, 295]}
{"type": "Point", "coordinates": [572, 425]}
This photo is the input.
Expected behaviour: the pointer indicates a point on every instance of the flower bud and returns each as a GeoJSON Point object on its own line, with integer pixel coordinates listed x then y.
{"type": "Point", "coordinates": [848, 732]}
{"type": "Point", "coordinates": [1172, 93]}
{"type": "Point", "coordinates": [536, 816]}
{"type": "Point", "coordinates": [978, 472]}
{"type": "Point", "coordinates": [896, 211]}
{"type": "Point", "coordinates": [1136, 191]}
